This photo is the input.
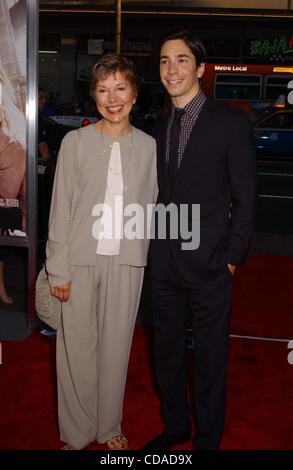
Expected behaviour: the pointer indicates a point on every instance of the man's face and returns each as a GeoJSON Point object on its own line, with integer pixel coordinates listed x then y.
{"type": "Point", "coordinates": [179, 71]}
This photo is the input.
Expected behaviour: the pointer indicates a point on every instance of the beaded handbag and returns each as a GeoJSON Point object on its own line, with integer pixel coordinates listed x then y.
{"type": "Point", "coordinates": [48, 307]}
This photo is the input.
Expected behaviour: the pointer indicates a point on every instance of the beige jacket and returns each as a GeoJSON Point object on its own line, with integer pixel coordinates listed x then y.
{"type": "Point", "coordinates": [77, 246]}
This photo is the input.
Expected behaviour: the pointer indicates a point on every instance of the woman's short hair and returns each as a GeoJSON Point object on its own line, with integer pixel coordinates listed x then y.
{"type": "Point", "coordinates": [192, 42]}
{"type": "Point", "coordinates": [110, 63]}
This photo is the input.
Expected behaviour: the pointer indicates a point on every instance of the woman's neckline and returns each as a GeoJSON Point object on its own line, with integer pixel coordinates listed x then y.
{"type": "Point", "coordinates": [112, 137]}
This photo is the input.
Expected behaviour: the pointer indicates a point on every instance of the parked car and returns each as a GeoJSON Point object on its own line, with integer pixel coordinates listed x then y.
{"type": "Point", "coordinates": [273, 134]}
{"type": "Point", "coordinates": [74, 121]}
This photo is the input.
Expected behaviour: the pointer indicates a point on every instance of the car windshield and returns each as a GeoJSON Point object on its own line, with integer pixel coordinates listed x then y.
{"type": "Point", "coordinates": [280, 120]}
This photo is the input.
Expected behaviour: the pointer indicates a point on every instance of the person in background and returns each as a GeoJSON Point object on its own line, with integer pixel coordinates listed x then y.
{"type": "Point", "coordinates": [43, 148]}
{"type": "Point", "coordinates": [206, 157]}
{"type": "Point", "coordinates": [49, 108]}
{"type": "Point", "coordinates": [94, 267]}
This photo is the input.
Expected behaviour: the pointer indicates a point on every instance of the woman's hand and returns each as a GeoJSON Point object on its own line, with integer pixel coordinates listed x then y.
{"type": "Point", "coordinates": [61, 292]}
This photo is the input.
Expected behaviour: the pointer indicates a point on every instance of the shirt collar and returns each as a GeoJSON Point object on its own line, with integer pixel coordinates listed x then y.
{"type": "Point", "coordinates": [193, 107]}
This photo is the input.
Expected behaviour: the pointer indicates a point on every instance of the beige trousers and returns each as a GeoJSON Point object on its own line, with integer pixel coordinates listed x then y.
{"type": "Point", "coordinates": [93, 346]}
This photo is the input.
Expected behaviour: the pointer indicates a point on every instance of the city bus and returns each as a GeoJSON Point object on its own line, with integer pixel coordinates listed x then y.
{"type": "Point", "coordinates": [248, 86]}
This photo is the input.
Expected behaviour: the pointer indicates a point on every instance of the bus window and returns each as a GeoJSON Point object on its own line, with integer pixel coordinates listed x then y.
{"type": "Point", "coordinates": [276, 85]}
{"type": "Point", "coordinates": [237, 87]}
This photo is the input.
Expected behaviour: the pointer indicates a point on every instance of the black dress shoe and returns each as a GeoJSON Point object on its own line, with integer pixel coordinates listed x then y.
{"type": "Point", "coordinates": [165, 441]}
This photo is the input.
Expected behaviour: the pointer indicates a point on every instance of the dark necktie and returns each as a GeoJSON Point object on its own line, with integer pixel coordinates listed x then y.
{"type": "Point", "coordinates": [174, 144]}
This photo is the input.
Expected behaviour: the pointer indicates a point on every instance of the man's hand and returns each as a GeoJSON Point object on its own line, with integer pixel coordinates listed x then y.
{"type": "Point", "coordinates": [61, 292]}
{"type": "Point", "coordinates": [231, 268]}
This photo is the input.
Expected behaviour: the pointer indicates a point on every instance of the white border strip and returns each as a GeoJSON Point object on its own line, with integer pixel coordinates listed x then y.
{"type": "Point", "coordinates": [275, 197]}
{"type": "Point", "coordinates": [275, 174]}
{"type": "Point", "coordinates": [262, 338]}
{"type": "Point", "coordinates": [258, 338]}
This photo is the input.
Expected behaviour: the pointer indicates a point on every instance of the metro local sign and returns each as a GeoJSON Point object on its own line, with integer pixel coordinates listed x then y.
{"type": "Point", "coordinates": [231, 68]}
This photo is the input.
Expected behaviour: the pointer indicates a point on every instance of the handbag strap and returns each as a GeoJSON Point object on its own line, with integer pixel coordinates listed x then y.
{"type": "Point", "coordinates": [75, 188]}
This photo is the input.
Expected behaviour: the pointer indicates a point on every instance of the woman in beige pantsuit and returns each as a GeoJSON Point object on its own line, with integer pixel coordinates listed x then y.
{"type": "Point", "coordinates": [95, 261]}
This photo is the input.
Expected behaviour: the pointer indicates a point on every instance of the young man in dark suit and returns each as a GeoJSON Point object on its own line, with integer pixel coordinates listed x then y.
{"type": "Point", "coordinates": [205, 157]}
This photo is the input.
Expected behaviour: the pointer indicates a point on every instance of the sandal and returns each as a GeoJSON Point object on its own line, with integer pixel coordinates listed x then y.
{"type": "Point", "coordinates": [68, 447]}
{"type": "Point", "coordinates": [118, 443]}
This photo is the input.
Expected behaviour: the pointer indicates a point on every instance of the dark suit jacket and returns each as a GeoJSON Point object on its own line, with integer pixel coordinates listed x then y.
{"type": "Point", "coordinates": [218, 172]}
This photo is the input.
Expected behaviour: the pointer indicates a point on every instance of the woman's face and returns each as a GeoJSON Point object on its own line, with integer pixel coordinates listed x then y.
{"type": "Point", "coordinates": [114, 98]}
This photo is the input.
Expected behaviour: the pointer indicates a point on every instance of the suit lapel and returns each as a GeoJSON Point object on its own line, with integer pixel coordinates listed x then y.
{"type": "Point", "coordinates": [161, 137]}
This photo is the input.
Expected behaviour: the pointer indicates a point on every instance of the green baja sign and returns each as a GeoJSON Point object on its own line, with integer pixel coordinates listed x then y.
{"type": "Point", "coordinates": [266, 47]}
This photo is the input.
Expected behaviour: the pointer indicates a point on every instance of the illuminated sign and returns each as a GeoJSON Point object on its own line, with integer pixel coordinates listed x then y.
{"type": "Point", "coordinates": [130, 46]}
{"type": "Point", "coordinates": [267, 47]}
{"type": "Point", "coordinates": [231, 68]}
{"type": "Point", "coordinates": [283, 69]}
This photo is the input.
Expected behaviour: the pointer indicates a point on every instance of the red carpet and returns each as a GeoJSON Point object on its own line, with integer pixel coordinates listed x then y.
{"type": "Point", "coordinates": [263, 297]}
{"type": "Point", "coordinates": [260, 405]}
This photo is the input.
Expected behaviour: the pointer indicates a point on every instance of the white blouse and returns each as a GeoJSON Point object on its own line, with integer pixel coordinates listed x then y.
{"type": "Point", "coordinates": [112, 218]}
